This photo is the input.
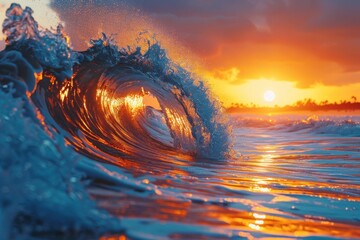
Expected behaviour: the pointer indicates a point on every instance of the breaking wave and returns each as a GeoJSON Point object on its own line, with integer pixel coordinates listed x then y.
{"type": "Point", "coordinates": [132, 107]}
{"type": "Point", "coordinates": [125, 99]}
{"type": "Point", "coordinates": [314, 124]}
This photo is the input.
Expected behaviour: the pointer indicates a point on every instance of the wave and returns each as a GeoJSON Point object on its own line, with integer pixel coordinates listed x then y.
{"type": "Point", "coordinates": [118, 95]}
{"type": "Point", "coordinates": [132, 107]}
{"type": "Point", "coordinates": [40, 185]}
{"type": "Point", "coordinates": [343, 126]}
{"type": "Point", "coordinates": [347, 127]}
{"type": "Point", "coordinates": [116, 82]}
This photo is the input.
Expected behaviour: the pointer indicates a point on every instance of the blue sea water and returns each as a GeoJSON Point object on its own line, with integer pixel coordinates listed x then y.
{"type": "Point", "coordinates": [117, 143]}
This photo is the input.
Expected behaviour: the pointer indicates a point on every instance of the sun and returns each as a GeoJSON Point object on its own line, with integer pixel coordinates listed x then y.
{"type": "Point", "coordinates": [269, 96]}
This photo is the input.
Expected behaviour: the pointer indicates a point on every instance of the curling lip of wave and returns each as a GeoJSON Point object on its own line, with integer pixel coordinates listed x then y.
{"type": "Point", "coordinates": [106, 76]}
{"type": "Point", "coordinates": [191, 116]}
{"type": "Point", "coordinates": [33, 56]}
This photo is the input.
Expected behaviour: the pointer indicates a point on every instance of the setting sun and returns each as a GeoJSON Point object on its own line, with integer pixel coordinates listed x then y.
{"type": "Point", "coordinates": [269, 96]}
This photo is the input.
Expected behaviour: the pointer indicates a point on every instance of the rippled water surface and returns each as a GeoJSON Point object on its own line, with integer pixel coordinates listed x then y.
{"type": "Point", "coordinates": [294, 180]}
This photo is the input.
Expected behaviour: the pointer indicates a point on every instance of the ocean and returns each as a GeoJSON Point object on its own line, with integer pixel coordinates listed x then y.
{"type": "Point", "coordinates": [297, 178]}
{"type": "Point", "coordinates": [123, 143]}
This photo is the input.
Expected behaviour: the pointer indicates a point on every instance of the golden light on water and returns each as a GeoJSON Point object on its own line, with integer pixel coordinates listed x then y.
{"type": "Point", "coordinates": [265, 175]}
{"type": "Point", "coordinates": [134, 102]}
{"type": "Point", "coordinates": [180, 123]}
{"type": "Point", "coordinates": [137, 104]}
{"type": "Point", "coordinates": [64, 91]}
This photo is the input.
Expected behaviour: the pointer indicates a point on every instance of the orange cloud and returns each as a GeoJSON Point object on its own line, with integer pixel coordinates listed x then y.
{"type": "Point", "coordinates": [307, 42]}
{"type": "Point", "coordinates": [311, 44]}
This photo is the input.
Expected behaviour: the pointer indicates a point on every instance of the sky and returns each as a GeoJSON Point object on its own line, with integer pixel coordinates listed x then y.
{"type": "Point", "coordinates": [241, 48]}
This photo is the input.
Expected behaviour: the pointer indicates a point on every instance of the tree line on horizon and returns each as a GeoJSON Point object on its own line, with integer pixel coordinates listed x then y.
{"type": "Point", "coordinates": [306, 104]}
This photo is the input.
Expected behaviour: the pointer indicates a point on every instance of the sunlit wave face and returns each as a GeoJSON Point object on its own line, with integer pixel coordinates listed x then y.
{"type": "Point", "coordinates": [269, 96]}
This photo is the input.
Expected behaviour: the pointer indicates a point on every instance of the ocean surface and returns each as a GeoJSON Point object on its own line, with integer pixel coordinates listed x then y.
{"type": "Point", "coordinates": [123, 143]}
{"type": "Point", "coordinates": [298, 177]}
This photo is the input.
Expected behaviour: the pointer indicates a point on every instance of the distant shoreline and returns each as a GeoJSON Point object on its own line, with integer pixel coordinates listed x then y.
{"type": "Point", "coordinates": [306, 105]}
{"type": "Point", "coordinates": [279, 110]}
{"type": "Point", "coordinates": [274, 112]}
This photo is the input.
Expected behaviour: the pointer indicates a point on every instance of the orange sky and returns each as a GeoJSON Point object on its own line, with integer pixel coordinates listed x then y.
{"type": "Point", "coordinates": [298, 49]}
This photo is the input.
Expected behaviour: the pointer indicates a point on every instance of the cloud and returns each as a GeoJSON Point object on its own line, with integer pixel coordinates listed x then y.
{"type": "Point", "coordinates": [307, 42]}
{"type": "Point", "coordinates": [230, 75]}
